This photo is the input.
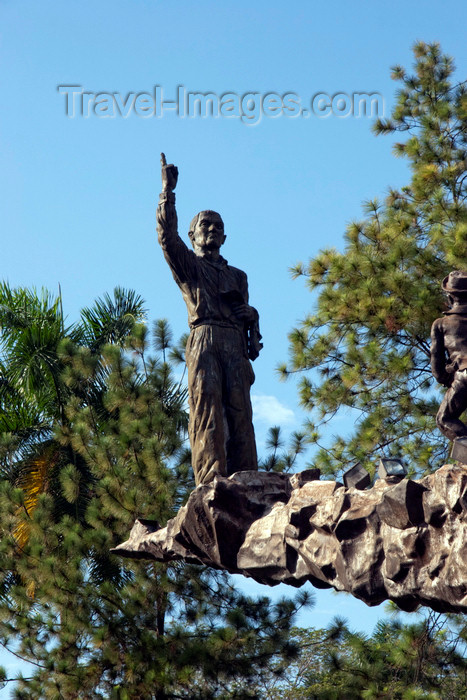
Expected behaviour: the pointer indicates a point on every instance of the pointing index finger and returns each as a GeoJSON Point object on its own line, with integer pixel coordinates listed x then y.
{"type": "Point", "coordinates": [163, 160]}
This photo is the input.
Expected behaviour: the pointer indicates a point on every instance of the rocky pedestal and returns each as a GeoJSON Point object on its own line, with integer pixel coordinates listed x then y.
{"type": "Point", "coordinates": [404, 541]}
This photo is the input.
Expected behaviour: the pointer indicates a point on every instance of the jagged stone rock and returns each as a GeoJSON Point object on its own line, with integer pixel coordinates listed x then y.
{"type": "Point", "coordinates": [459, 450]}
{"type": "Point", "coordinates": [403, 541]}
{"type": "Point", "coordinates": [357, 477]}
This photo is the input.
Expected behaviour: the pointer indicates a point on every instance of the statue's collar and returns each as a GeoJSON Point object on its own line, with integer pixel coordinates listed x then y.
{"type": "Point", "coordinates": [458, 309]}
{"type": "Point", "coordinates": [220, 263]}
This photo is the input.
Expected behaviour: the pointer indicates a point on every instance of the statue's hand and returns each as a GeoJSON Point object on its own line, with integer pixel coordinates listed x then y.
{"type": "Point", "coordinates": [244, 312]}
{"type": "Point", "coordinates": [169, 175]}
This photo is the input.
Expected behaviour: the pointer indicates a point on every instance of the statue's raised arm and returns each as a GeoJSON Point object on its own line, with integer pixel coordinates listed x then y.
{"type": "Point", "coordinates": [169, 175]}
{"type": "Point", "coordinates": [166, 212]}
{"type": "Point", "coordinates": [176, 252]}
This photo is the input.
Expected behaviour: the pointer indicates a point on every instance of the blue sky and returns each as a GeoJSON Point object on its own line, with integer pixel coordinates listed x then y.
{"type": "Point", "coordinates": [78, 195]}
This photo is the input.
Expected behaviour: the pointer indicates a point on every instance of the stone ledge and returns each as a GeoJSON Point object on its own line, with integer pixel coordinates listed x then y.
{"type": "Point", "coordinates": [405, 542]}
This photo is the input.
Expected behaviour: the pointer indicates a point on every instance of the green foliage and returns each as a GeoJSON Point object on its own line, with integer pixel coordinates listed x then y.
{"type": "Point", "coordinates": [425, 660]}
{"type": "Point", "coordinates": [111, 448]}
{"type": "Point", "coordinates": [366, 346]}
{"type": "Point", "coordinates": [281, 457]}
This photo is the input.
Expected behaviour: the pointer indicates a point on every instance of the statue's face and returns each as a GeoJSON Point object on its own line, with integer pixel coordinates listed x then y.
{"type": "Point", "coordinates": [209, 232]}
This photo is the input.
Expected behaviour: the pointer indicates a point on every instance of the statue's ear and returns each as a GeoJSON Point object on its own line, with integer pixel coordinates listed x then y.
{"type": "Point", "coordinates": [191, 235]}
{"type": "Point", "coordinates": [223, 240]}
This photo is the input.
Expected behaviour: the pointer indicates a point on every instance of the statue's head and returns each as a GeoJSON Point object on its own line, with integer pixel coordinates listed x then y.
{"type": "Point", "coordinates": [206, 232]}
{"type": "Point", "coordinates": [455, 286]}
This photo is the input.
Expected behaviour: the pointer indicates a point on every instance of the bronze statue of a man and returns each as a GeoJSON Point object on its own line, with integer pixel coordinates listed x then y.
{"type": "Point", "coordinates": [449, 356]}
{"type": "Point", "coordinates": [224, 337]}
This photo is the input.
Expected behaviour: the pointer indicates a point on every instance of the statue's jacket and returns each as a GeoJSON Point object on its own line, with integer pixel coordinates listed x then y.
{"type": "Point", "coordinates": [207, 287]}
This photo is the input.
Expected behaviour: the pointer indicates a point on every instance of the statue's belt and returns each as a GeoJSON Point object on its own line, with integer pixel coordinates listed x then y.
{"type": "Point", "coordinates": [214, 322]}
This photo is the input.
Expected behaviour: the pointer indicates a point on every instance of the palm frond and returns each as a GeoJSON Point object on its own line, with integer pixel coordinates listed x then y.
{"type": "Point", "coordinates": [110, 320]}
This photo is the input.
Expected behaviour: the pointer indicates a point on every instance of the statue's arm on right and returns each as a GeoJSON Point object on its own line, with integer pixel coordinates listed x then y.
{"type": "Point", "coordinates": [175, 250]}
{"type": "Point", "coordinates": [251, 317]}
{"type": "Point", "coordinates": [438, 354]}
